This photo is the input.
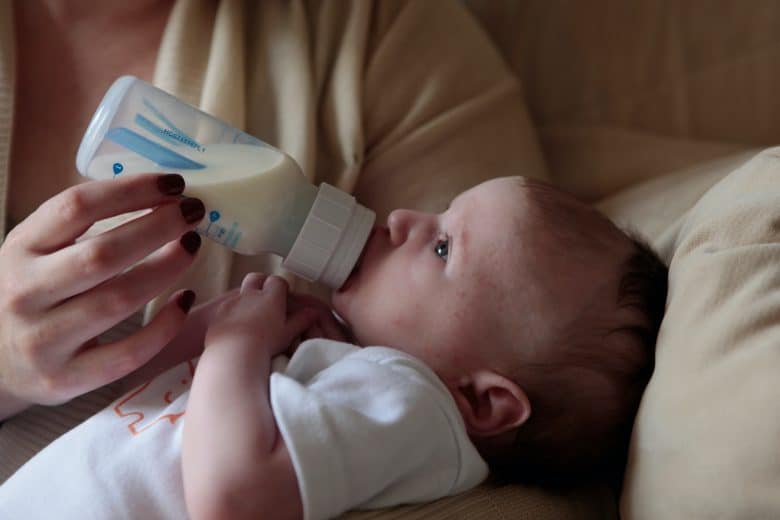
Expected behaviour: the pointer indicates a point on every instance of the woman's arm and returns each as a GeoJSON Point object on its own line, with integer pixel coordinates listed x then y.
{"type": "Point", "coordinates": [235, 463]}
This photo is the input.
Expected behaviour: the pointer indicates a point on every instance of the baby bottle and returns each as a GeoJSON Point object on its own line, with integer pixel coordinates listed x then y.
{"type": "Point", "coordinates": [256, 197]}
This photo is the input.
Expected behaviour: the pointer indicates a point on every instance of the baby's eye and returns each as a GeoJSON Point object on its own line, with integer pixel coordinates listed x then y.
{"type": "Point", "coordinates": [442, 248]}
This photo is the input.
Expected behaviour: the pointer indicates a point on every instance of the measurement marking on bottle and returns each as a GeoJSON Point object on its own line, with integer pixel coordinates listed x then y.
{"type": "Point", "coordinates": [213, 217]}
{"type": "Point", "coordinates": [233, 235]}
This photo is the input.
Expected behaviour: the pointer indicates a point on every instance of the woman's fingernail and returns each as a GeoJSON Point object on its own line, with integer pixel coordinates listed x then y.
{"type": "Point", "coordinates": [170, 184]}
{"type": "Point", "coordinates": [192, 209]}
{"type": "Point", "coordinates": [190, 241]}
{"type": "Point", "coordinates": [185, 301]}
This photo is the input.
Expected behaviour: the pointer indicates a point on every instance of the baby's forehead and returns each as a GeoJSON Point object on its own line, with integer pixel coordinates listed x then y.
{"type": "Point", "coordinates": [540, 234]}
{"type": "Point", "coordinates": [522, 210]}
{"type": "Point", "coordinates": [516, 196]}
{"type": "Point", "coordinates": [536, 256]}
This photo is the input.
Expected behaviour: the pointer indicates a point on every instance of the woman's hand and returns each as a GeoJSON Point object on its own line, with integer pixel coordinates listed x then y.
{"type": "Point", "coordinates": [58, 294]}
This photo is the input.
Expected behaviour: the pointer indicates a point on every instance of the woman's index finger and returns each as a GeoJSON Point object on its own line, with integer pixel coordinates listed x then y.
{"type": "Point", "coordinates": [63, 218]}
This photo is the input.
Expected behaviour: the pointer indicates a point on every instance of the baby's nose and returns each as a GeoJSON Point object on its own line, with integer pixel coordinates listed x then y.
{"type": "Point", "coordinates": [399, 221]}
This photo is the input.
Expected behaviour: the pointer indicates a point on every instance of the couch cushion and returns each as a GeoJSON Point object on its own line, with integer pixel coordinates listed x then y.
{"type": "Point", "coordinates": [657, 207]}
{"type": "Point", "coordinates": [705, 442]}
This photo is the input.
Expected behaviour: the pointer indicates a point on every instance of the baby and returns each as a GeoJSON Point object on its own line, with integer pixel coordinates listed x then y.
{"type": "Point", "coordinates": [536, 312]}
{"type": "Point", "coordinates": [514, 330]}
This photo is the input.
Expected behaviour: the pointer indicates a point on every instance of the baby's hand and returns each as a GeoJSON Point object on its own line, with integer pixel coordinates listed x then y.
{"type": "Point", "coordinates": [325, 326]}
{"type": "Point", "coordinates": [258, 318]}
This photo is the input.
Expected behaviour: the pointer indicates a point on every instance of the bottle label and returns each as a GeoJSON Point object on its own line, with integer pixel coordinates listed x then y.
{"type": "Point", "coordinates": [213, 228]}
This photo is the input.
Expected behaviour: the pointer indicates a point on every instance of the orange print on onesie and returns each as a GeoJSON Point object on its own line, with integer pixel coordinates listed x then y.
{"type": "Point", "coordinates": [145, 403]}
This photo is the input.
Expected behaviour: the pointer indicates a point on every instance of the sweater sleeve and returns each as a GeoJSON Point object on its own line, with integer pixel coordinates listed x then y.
{"type": "Point", "coordinates": [374, 428]}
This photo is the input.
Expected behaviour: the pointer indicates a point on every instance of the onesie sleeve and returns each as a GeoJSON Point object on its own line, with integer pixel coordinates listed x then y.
{"type": "Point", "coordinates": [372, 428]}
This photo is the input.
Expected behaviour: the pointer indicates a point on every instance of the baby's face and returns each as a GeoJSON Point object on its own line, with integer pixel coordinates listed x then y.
{"type": "Point", "coordinates": [442, 286]}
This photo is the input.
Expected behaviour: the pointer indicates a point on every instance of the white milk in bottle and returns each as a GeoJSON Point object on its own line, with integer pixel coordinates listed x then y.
{"type": "Point", "coordinates": [257, 200]}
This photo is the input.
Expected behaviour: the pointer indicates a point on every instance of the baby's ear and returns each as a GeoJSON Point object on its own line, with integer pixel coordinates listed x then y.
{"type": "Point", "coordinates": [490, 403]}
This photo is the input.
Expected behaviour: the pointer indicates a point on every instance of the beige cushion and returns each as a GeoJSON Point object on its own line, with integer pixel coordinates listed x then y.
{"type": "Point", "coordinates": [707, 436]}
{"type": "Point", "coordinates": [657, 207]}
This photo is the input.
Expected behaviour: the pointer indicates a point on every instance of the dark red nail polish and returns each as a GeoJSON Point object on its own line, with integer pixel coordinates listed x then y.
{"type": "Point", "coordinates": [170, 184]}
{"type": "Point", "coordinates": [192, 209]}
{"type": "Point", "coordinates": [190, 241]}
{"type": "Point", "coordinates": [186, 300]}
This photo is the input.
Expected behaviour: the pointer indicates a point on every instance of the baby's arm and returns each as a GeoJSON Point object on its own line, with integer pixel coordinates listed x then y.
{"type": "Point", "coordinates": [235, 463]}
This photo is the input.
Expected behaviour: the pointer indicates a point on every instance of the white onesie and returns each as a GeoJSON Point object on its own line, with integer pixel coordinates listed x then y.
{"type": "Point", "coordinates": [365, 427]}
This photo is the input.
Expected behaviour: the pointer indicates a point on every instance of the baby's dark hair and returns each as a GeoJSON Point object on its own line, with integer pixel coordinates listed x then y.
{"type": "Point", "coordinates": [585, 390]}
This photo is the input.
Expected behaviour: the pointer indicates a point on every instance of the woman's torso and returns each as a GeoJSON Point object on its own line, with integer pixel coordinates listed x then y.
{"type": "Point", "coordinates": [64, 65]}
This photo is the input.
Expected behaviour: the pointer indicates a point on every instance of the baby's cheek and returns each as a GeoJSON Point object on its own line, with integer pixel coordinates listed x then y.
{"type": "Point", "coordinates": [413, 313]}
{"type": "Point", "coordinates": [403, 325]}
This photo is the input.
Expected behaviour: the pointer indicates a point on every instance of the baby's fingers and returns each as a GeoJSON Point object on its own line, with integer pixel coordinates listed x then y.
{"type": "Point", "coordinates": [331, 328]}
{"type": "Point", "coordinates": [275, 289]}
{"type": "Point", "coordinates": [326, 326]}
{"type": "Point", "coordinates": [300, 321]}
{"type": "Point", "coordinates": [253, 281]}
{"type": "Point", "coordinates": [276, 286]}
{"type": "Point", "coordinates": [103, 364]}
{"type": "Point", "coordinates": [313, 332]}
{"type": "Point", "coordinates": [298, 300]}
